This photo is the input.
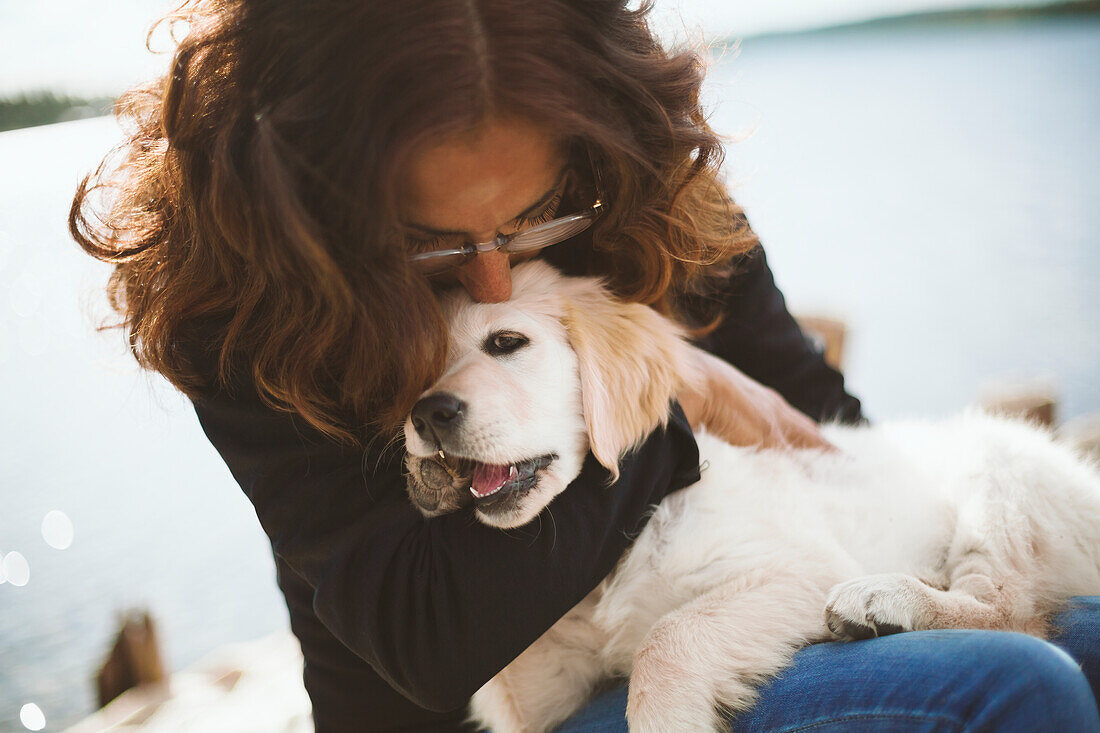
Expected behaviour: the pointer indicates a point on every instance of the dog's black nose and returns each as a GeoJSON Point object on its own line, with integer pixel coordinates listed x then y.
{"type": "Point", "coordinates": [437, 414]}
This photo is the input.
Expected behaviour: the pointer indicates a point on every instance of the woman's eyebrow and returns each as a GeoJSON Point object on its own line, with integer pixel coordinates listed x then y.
{"type": "Point", "coordinates": [534, 208]}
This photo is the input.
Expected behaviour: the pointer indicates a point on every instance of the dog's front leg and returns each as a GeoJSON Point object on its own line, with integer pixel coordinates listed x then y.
{"type": "Point", "coordinates": [549, 681]}
{"type": "Point", "coordinates": [715, 650]}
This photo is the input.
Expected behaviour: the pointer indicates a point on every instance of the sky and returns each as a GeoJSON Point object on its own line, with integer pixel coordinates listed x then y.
{"type": "Point", "coordinates": [98, 48]}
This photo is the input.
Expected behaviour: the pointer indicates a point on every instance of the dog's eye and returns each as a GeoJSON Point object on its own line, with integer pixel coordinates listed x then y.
{"type": "Point", "coordinates": [504, 343]}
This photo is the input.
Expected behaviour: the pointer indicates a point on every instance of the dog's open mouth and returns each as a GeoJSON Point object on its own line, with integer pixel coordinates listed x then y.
{"type": "Point", "coordinates": [494, 488]}
{"type": "Point", "coordinates": [491, 480]}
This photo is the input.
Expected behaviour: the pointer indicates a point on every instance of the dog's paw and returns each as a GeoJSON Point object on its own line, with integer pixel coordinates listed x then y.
{"type": "Point", "coordinates": [876, 605]}
{"type": "Point", "coordinates": [435, 487]}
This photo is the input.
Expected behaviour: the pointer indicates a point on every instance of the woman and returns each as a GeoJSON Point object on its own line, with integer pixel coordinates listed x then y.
{"type": "Point", "coordinates": [279, 193]}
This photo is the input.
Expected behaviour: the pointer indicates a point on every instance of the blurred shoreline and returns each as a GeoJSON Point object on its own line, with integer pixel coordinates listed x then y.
{"type": "Point", "coordinates": [46, 108]}
{"type": "Point", "coordinates": [965, 15]}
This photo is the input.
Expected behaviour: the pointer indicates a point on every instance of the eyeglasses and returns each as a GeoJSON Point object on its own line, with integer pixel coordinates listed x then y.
{"type": "Point", "coordinates": [538, 237]}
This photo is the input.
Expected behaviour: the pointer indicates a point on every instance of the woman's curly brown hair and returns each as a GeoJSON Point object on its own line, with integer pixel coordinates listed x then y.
{"type": "Point", "coordinates": [251, 220]}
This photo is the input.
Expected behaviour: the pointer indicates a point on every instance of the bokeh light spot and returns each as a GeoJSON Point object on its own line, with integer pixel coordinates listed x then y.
{"type": "Point", "coordinates": [30, 715]}
{"type": "Point", "coordinates": [16, 568]}
{"type": "Point", "coordinates": [57, 530]}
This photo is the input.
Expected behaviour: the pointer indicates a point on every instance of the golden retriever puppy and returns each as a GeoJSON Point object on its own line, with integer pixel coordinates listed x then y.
{"type": "Point", "coordinates": [975, 522]}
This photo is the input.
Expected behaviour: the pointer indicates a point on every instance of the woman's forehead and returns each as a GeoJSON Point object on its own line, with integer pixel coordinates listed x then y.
{"type": "Point", "coordinates": [477, 181]}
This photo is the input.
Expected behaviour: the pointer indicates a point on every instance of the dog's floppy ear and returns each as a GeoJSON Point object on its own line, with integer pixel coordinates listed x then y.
{"type": "Point", "coordinates": [632, 362]}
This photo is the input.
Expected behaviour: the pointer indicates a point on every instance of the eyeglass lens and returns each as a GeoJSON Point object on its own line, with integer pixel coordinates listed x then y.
{"type": "Point", "coordinates": [544, 235]}
{"type": "Point", "coordinates": [549, 233]}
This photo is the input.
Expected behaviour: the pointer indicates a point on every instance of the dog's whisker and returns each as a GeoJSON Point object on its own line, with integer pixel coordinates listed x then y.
{"type": "Point", "coordinates": [537, 531]}
{"type": "Point", "coordinates": [554, 526]}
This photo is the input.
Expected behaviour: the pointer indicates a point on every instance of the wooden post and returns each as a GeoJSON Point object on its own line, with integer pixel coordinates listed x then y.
{"type": "Point", "coordinates": [134, 659]}
{"type": "Point", "coordinates": [1035, 400]}
{"type": "Point", "coordinates": [829, 333]}
{"type": "Point", "coordinates": [1083, 433]}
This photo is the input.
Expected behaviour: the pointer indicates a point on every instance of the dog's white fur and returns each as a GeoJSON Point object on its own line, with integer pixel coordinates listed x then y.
{"type": "Point", "coordinates": [975, 522]}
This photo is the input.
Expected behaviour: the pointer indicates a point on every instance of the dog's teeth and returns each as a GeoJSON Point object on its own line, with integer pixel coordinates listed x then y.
{"type": "Point", "coordinates": [442, 455]}
{"type": "Point", "coordinates": [512, 472]}
{"type": "Point", "coordinates": [482, 496]}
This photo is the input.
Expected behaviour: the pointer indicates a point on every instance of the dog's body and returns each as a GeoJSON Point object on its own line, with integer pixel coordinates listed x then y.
{"type": "Point", "coordinates": [972, 523]}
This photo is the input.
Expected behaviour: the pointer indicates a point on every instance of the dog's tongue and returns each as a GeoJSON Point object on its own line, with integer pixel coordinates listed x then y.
{"type": "Point", "coordinates": [488, 479]}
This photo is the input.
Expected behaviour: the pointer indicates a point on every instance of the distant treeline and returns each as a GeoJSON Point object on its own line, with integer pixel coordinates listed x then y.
{"type": "Point", "coordinates": [1066, 7]}
{"type": "Point", "coordinates": [44, 108]}
{"type": "Point", "coordinates": [952, 16]}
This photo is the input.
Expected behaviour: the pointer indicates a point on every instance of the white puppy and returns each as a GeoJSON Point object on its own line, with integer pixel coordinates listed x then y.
{"type": "Point", "coordinates": [971, 523]}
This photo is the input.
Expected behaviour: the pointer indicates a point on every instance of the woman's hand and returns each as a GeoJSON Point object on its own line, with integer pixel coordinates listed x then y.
{"type": "Point", "coordinates": [742, 411]}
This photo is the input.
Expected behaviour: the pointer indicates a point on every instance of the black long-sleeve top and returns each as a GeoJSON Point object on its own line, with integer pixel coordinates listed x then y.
{"type": "Point", "coordinates": [402, 619]}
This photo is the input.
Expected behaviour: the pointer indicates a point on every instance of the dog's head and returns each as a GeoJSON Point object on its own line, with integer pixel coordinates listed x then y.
{"type": "Point", "coordinates": [530, 386]}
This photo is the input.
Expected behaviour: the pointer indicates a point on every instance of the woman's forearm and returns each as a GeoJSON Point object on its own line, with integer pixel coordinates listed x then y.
{"type": "Point", "coordinates": [438, 606]}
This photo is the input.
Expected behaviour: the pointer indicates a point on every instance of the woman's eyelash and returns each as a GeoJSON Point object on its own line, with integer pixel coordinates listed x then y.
{"type": "Point", "coordinates": [543, 216]}
{"type": "Point", "coordinates": [427, 244]}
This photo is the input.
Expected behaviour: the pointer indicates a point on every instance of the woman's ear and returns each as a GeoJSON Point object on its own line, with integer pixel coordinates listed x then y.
{"type": "Point", "coordinates": [632, 363]}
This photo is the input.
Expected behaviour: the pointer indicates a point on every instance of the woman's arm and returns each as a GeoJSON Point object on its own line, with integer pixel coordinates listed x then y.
{"type": "Point", "coordinates": [438, 606]}
{"type": "Point", "coordinates": [761, 338]}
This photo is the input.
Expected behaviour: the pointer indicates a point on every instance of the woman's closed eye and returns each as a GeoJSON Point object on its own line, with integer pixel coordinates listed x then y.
{"type": "Point", "coordinates": [419, 243]}
{"type": "Point", "coordinates": [548, 212]}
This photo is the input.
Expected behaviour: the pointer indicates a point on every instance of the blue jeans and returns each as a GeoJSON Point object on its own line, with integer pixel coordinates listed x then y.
{"type": "Point", "coordinates": [922, 681]}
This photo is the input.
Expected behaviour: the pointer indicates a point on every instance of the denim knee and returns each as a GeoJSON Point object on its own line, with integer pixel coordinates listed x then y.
{"type": "Point", "coordinates": [1077, 631]}
{"type": "Point", "coordinates": [1024, 684]}
{"type": "Point", "coordinates": [924, 681]}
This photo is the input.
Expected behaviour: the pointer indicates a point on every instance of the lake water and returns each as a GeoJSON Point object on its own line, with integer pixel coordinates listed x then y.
{"type": "Point", "coordinates": [938, 186]}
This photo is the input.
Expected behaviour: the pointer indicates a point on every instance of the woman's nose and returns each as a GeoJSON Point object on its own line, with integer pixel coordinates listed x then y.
{"type": "Point", "coordinates": [487, 277]}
